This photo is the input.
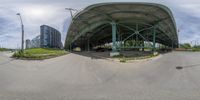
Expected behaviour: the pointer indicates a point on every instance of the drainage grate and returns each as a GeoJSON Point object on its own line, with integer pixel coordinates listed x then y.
{"type": "Point", "coordinates": [179, 67]}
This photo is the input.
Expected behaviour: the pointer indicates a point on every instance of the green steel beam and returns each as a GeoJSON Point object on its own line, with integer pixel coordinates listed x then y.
{"type": "Point", "coordinates": [104, 14]}
{"type": "Point", "coordinates": [99, 22]}
{"type": "Point", "coordinates": [99, 29]}
{"type": "Point", "coordinates": [134, 12]}
{"type": "Point", "coordinates": [89, 28]}
{"type": "Point", "coordinates": [146, 29]}
{"type": "Point", "coordinates": [129, 36]}
{"type": "Point", "coordinates": [80, 20]}
{"type": "Point", "coordinates": [133, 21]}
{"type": "Point", "coordinates": [160, 28]}
{"type": "Point", "coordinates": [127, 27]}
{"type": "Point", "coordinates": [108, 15]}
{"type": "Point", "coordinates": [134, 30]}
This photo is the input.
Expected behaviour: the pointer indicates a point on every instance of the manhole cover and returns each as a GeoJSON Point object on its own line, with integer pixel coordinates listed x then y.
{"type": "Point", "coordinates": [179, 67]}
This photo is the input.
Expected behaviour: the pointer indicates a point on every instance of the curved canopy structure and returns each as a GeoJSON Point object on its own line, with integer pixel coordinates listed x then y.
{"type": "Point", "coordinates": [112, 22]}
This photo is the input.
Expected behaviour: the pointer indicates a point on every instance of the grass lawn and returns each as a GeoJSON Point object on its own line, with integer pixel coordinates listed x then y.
{"type": "Point", "coordinates": [39, 53]}
{"type": "Point", "coordinates": [3, 49]}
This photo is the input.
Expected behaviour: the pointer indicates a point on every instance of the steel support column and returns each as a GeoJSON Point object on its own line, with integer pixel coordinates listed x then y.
{"type": "Point", "coordinates": [143, 45]}
{"type": "Point", "coordinates": [88, 44]}
{"type": "Point", "coordinates": [114, 32]}
{"type": "Point", "coordinates": [154, 39]}
{"type": "Point", "coordinates": [114, 44]}
{"type": "Point", "coordinates": [70, 47]}
{"type": "Point", "coordinates": [118, 40]}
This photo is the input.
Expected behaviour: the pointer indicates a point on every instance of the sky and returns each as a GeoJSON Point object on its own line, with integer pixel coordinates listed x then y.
{"type": "Point", "coordinates": [52, 12]}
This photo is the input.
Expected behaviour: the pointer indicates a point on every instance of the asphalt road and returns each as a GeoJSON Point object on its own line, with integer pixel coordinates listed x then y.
{"type": "Point", "coordinates": [76, 77]}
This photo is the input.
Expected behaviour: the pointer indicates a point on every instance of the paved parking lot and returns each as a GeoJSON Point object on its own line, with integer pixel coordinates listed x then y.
{"type": "Point", "coordinates": [77, 77]}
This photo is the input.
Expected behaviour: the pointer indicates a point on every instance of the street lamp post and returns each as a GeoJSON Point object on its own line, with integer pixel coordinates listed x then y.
{"type": "Point", "coordinates": [22, 45]}
{"type": "Point", "coordinates": [70, 10]}
{"type": "Point", "coordinates": [71, 13]}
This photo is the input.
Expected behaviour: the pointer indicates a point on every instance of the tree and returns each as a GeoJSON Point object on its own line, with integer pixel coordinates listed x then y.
{"type": "Point", "coordinates": [185, 45]}
{"type": "Point", "coordinates": [196, 46]}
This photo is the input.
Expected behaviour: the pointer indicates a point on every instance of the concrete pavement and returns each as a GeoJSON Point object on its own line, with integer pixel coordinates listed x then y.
{"type": "Point", "coordinates": [76, 77]}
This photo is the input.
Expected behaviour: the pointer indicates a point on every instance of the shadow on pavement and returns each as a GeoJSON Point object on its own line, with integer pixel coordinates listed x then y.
{"type": "Point", "coordinates": [187, 66]}
{"type": "Point", "coordinates": [93, 54]}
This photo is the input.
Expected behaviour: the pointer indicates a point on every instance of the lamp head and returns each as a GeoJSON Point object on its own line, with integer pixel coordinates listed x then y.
{"type": "Point", "coordinates": [18, 14]}
{"type": "Point", "coordinates": [70, 9]}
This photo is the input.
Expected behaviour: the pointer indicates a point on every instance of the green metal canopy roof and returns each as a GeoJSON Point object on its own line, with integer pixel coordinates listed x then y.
{"type": "Point", "coordinates": [94, 23]}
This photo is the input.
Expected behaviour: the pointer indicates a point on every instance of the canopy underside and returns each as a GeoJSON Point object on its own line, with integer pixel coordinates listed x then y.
{"type": "Point", "coordinates": [94, 23]}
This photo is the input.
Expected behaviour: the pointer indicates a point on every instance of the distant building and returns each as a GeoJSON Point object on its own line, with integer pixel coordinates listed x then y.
{"type": "Point", "coordinates": [34, 43]}
{"type": "Point", "coordinates": [28, 43]}
{"type": "Point", "coordinates": [50, 37]}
